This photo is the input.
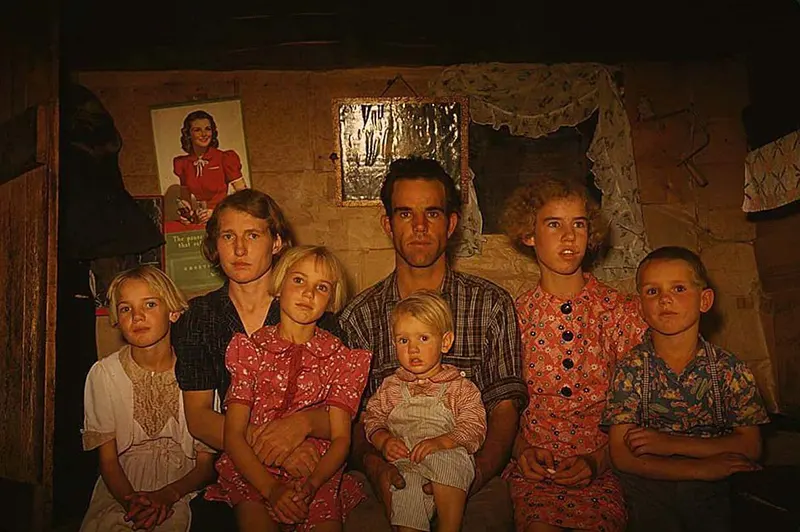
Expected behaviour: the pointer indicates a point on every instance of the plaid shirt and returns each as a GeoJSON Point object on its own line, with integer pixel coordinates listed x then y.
{"type": "Point", "coordinates": [487, 342]}
{"type": "Point", "coordinates": [201, 337]}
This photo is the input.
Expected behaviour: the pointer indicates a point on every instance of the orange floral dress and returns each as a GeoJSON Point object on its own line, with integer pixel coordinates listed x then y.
{"type": "Point", "coordinates": [569, 351]}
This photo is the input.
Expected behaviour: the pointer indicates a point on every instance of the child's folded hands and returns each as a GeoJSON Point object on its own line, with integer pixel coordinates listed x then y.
{"type": "Point", "coordinates": [288, 504]}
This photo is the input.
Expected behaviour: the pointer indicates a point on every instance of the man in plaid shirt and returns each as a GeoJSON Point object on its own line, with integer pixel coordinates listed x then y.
{"type": "Point", "coordinates": [422, 209]}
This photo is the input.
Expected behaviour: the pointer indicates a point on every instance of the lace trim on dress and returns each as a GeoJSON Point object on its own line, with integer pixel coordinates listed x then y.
{"type": "Point", "coordinates": [156, 396]}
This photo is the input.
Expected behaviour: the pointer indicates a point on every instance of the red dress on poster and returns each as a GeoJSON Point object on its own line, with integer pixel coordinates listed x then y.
{"type": "Point", "coordinates": [207, 176]}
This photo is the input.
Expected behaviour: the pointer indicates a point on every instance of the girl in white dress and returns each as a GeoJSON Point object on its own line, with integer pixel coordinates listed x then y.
{"type": "Point", "coordinates": [150, 466]}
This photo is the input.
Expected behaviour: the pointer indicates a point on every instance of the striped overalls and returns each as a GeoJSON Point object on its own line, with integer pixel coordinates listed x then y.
{"type": "Point", "coordinates": [420, 418]}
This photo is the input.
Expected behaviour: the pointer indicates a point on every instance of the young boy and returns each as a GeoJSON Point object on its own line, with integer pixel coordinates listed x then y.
{"type": "Point", "coordinates": [427, 418]}
{"type": "Point", "coordinates": [683, 413]}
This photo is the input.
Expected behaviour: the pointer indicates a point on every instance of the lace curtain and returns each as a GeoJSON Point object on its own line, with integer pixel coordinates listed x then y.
{"type": "Point", "coordinates": [536, 100]}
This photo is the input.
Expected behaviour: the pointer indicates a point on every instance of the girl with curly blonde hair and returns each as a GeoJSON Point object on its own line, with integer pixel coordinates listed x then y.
{"type": "Point", "coordinates": [573, 328]}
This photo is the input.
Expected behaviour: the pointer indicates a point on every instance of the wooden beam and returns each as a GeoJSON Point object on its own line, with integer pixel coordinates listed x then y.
{"type": "Point", "coordinates": [21, 148]}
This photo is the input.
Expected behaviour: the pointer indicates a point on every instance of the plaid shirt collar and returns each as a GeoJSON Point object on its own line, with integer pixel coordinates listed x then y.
{"type": "Point", "coordinates": [391, 290]}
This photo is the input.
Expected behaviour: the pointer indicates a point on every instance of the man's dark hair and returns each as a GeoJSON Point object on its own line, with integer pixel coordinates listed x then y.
{"type": "Point", "coordinates": [420, 168]}
{"type": "Point", "coordinates": [677, 253]}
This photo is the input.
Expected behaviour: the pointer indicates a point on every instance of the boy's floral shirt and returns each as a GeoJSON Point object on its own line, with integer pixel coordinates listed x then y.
{"type": "Point", "coordinates": [684, 404]}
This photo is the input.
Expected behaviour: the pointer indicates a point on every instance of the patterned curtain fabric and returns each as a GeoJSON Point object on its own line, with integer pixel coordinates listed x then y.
{"type": "Point", "coordinates": [536, 100]}
{"type": "Point", "coordinates": [772, 174]}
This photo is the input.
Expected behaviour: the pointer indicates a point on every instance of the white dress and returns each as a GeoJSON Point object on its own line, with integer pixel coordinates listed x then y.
{"type": "Point", "coordinates": [143, 411]}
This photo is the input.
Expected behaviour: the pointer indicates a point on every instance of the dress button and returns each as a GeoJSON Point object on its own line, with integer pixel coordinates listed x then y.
{"type": "Point", "coordinates": [568, 363]}
{"type": "Point", "coordinates": [566, 308]}
{"type": "Point", "coordinates": [566, 392]}
{"type": "Point", "coordinates": [567, 336]}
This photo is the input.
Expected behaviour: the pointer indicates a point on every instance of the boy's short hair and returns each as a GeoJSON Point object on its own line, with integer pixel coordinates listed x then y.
{"type": "Point", "coordinates": [322, 255]}
{"type": "Point", "coordinates": [688, 256]}
{"type": "Point", "coordinates": [256, 204]}
{"type": "Point", "coordinates": [428, 307]}
{"type": "Point", "coordinates": [158, 281]}
{"type": "Point", "coordinates": [519, 217]}
{"type": "Point", "coordinates": [420, 168]}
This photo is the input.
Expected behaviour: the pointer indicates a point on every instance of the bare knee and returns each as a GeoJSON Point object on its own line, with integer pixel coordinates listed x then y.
{"type": "Point", "coordinates": [450, 502]}
{"type": "Point", "coordinates": [253, 516]}
{"type": "Point", "coordinates": [448, 494]}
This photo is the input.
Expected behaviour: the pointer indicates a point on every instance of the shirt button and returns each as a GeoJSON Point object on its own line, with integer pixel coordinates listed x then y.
{"type": "Point", "coordinates": [566, 392]}
{"type": "Point", "coordinates": [567, 336]}
{"type": "Point", "coordinates": [463, 373]}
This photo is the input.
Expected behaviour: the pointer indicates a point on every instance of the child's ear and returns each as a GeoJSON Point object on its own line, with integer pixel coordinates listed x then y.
{"type": "Point", "coordinates": [529, 240]}
{"type": "Point", "coordinates": [173, 316]}
{"type": "Point", "coordinates": [447, 341]}
{"type": "Point", "coordinates": [706, 299]}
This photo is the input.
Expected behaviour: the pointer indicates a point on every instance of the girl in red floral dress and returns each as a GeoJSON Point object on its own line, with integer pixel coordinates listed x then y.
{"type": "Point", "coordinates": [283, 369]}
{"type": "Point", "coordinates": [573, 329]}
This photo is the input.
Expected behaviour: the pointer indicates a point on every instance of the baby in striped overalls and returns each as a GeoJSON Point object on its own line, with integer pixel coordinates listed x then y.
{"type": "Point", "coordinates": [427, 418]}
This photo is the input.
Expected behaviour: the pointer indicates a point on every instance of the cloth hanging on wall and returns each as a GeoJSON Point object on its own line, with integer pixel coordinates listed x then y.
{"type": "Point", "coordinates": [536, 100]}
{"type": "Point", "coordinates": [772, 174]}
{"type": "Point", "coordinates": [97, 216]}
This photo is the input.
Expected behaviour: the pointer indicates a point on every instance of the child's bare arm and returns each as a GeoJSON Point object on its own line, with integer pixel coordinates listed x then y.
{"type": "Point", "coordinates": [743, 440]}
{"type": "Point", "coordinates": [113, 475]}
{"type": "Point", "coordinates": [656, 467]}
{"type": "Point", "coordinates": [201, 474]}
{"type": "Point", "coordinates": [237, 417]}
{"type": "Point", "coordinates": [338, 450]}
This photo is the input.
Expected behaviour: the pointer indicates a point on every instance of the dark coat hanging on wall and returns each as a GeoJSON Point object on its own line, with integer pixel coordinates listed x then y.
{"type": "Point", "coordinates": [98, 217]}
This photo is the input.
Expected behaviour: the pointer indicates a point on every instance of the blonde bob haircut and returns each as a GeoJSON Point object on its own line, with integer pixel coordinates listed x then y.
{"type": "Point", "coordinates": [158, 281]}
{"type": "Point", "coordinates": [428, 307]}
{"type": "Point", "coordinates": [322, 256]}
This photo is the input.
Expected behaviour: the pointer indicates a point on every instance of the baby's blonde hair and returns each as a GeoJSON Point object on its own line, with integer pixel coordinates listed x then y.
{"type": "Point", "coordinates": [322, 255]}
{"type": "Point", "coordinates": [158, 281]}
{"type": "Point", "coordinates": [428, 307]}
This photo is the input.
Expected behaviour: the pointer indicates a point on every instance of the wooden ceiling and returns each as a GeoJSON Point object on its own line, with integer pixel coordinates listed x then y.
{"type": "Point", "coordinates": [310, 35]}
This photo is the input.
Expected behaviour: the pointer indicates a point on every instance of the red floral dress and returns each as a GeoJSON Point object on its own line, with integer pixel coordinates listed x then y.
{"type": "Point", "coordinates": [275, 378]}
{"type": "Point", "coordinates": [569, 351]}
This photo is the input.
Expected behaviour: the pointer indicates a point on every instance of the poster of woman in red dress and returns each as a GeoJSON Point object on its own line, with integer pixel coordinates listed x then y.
{"type": "Point", "coordinates": [201, 157]}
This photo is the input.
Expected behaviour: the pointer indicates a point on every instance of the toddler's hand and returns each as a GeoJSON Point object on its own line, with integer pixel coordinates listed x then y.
{"type": "Point", "coordinates": [288, 510]}
{"type": "Point", "coordinates": [424, 448]}
{"type": "Point", "coordinates": [394, 449]}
